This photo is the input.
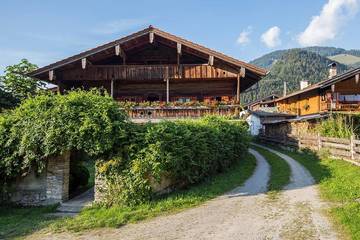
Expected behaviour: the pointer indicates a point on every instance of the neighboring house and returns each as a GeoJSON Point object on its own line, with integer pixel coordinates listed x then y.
{"type": "Point", "coordinates": [256, 120]}
{"type": "Point", "coordinates": [153, 65]}
{"type": "Point", "coordinates": [338, 93]}
{"type": "Point", "coordinates": [266, 103]}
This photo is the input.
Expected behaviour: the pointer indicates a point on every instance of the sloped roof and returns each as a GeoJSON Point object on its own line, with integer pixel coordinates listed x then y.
{"type": "Point", "coordinates": [257, 70]}
{"type": "Point", "coordinates": [269, 98]}
{"type": "Point", "coordinates": [325, 83]}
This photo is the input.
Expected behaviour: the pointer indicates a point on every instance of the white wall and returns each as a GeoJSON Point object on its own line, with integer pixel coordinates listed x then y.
{"type": "Point", "coordinates": [254, 124]}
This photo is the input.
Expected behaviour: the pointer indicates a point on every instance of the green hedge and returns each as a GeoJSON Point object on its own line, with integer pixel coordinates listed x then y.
{"type": "Point", "coordinates": [186, 152]}
{"type": "Point", "coordinates": [49, 124]}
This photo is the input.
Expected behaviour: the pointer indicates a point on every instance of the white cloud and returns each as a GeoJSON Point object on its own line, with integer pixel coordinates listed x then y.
{"type": "Point", "coordinates": [244, 38]}
{"type": "Point", "coordinates": [271, 37]}
{"type": "Point", "coordinates": [119, 26]}
{"type": "Point", "coordinates": [327, 25]}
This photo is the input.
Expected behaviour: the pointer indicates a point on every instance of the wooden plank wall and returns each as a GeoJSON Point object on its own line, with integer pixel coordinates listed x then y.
{"type": "Point", "coordinates": [147, 72]}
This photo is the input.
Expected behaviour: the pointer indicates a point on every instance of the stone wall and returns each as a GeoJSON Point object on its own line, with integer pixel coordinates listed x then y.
{"type": "Point", "coordinates": [57, 178]}
{"type": "Point", "coordinates": [100, 187]}
{"type": "Point", "coordinates": [51, 186]}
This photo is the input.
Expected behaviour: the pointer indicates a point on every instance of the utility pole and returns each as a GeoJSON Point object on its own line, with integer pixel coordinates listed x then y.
{"type": "Point", "coordinates": [285, 88]}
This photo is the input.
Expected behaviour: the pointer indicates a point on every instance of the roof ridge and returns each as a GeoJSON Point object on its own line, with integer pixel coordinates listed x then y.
{"type": "Point", "coordinates": [151, 28]}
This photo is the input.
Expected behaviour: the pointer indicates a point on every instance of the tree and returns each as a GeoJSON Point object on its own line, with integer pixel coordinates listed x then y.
{"type": "Point", "coordinates": [17, 83]}
{"type": "Point", "coordinates": [7, 100]}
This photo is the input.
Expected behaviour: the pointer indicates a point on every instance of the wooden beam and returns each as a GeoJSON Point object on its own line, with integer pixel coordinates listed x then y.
{"type": "Point", "coordinates": [120, 52]}
{"type": "Point", "coordinates": [242, 72]}
{"type": "Point", "coordinates": [178, 46]}
{"type": "Point", "coordinates": [83, 63]}
{"type": "Point", "coordinates": [112, 88]}
{"type": "Point", "coordinates": [211, 60]}
{"type": "Point", "coordinates": [117, 50]}
{"type": "Point", "coordinates": [151, 37]}
{"type": "Point", "coordinates": [238, 89]}
{"type": "Point", "coordinates": [167, 90]}
{"type": "Point", "coordinates": [51, 75]}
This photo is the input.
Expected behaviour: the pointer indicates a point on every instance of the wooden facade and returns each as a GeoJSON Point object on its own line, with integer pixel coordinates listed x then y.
{"type": "Point", "coordinates": [153, 65]}
{"type": "Point", "coordinates": [339, 93]}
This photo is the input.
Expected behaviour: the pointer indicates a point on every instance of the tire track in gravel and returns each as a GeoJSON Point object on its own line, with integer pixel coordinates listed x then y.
{"type": "Point", "coordinates": [243, 213]}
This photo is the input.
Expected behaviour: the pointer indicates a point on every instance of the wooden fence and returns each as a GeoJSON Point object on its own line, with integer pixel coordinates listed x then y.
{"type": "Point", "coordinates": [338, 147]}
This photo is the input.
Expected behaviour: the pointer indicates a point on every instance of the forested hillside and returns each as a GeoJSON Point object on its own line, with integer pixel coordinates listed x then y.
{"type": "Point", "coordinates": [269, 59]}
{"type": "Point", "coordinates": [292, 66]}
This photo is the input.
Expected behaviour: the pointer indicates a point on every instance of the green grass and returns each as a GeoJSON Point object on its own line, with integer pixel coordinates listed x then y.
{"type": "Point", "coordinates": [345, 58]}
{"type": "Point", "coordinates": [280, 170]}
{"type": "Point", "coordinates": [339, 183]}
{"type": "Point", "coordinates": [18, 222]}
{"type": "Point", "coordinates": [96, 217]}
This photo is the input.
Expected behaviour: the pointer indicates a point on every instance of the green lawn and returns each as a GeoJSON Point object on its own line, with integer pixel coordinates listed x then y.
{"type": "Point", "coordinates": [18, 222]}
{"type": "Point", "coordinates": [339, 183]}
{"type": "Point", "coordinates": [280, 170]}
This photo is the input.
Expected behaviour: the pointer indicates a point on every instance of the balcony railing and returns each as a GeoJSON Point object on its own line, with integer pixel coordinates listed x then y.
{"type": "Point", "coordinates": [341, 106]}
{"type": "Point", "coordinates": [148, 72]}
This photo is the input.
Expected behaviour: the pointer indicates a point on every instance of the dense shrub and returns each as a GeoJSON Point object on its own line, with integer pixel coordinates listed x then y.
{"type": "Point", "coordinates": [186, 152]}
{"type": "Point", "coordinates": [339, 126]}
{"type": "Point", "coordinates": [48, 125]}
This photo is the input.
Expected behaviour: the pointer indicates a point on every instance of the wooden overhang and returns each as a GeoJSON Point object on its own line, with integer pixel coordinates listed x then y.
{"type": "Point", "coordinates": [126, 45]}
{"type": "Point", "coordinates": [268, 99]}
{"type": "Point", "coordinates": [323, 84]}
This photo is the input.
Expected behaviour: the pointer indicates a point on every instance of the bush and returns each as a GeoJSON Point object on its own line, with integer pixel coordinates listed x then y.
{"type": "Point", "coordinates": [48, 125]}
{"type": "Point", "coordinates": [182, 152]}
{"type": "Point", "coordinates": [338, 126]}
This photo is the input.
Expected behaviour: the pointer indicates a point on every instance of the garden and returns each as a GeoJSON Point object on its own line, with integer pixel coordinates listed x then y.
{"type": "Point", "coordinates": [199, 159]}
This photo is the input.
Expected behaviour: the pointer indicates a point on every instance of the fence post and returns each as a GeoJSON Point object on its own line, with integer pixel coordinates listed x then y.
{"type": "Point", "coordinates": [319, 141]}
{"type": "Point", "coordinates": [352, 147]}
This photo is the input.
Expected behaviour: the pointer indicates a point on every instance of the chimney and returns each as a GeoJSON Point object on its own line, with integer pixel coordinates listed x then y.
{"type": "Point", "coordinates": [332, 70]}
{"type": "Point", "coordinates": [304, 84]}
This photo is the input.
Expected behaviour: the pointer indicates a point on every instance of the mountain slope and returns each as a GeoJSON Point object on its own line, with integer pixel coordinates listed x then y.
{"type": "Point", "coordinates": [293, 66]}
{"type": "Point", "coordinates": [269, 59]}
{"type": "Point", "coordinates": [345, 58]}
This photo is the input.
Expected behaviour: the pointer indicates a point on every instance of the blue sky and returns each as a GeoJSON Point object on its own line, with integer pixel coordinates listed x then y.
{"type": "Point", "coordinates": [46, 31]}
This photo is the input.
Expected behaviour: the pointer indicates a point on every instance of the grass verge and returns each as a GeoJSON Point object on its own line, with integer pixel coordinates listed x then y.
{"type": "Point", "coordinates": [18, 222]}
{"type": "Point", "coordinates": [116, 216]}
{"type": "Point", "coordinates": [280, 170]}
{"type": "Point", "coordinates": [339, 183]}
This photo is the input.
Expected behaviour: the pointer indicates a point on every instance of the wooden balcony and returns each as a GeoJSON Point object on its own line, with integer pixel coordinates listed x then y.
{"type": "Point", "coordinates": [340, 106]}
{"type": "Point", "coordinates": [148, 72]}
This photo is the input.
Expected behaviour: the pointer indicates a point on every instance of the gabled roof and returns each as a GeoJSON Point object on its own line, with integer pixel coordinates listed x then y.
{"type": "Point", "coordinates": [325, 83]}
{"type": "Point", "coordinates": [269, 98]}
{"type": "Point", "coordinates": [157, 32]}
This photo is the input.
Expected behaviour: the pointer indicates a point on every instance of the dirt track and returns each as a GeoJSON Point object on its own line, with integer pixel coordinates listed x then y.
{"type": "Point", "coordinates": [244, 213]}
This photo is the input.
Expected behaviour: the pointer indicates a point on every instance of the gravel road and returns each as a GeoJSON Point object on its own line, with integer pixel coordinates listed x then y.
{"type": "Point", "coordinates": [244, 213]}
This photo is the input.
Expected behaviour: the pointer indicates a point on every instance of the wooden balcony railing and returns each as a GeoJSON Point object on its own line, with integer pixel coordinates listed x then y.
{"type": "Point", "coordinates": [147, 72]}
{"type": "Point", "coordinates": [341, 106]}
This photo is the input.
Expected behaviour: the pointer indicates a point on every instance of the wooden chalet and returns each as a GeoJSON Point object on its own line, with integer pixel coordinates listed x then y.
{"type": "Point", "coordinates": [263, 103]}
{"type": "Point", "coordinates": [340, 93]}
{"type": "Point", "coordinates": [153, 65]}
